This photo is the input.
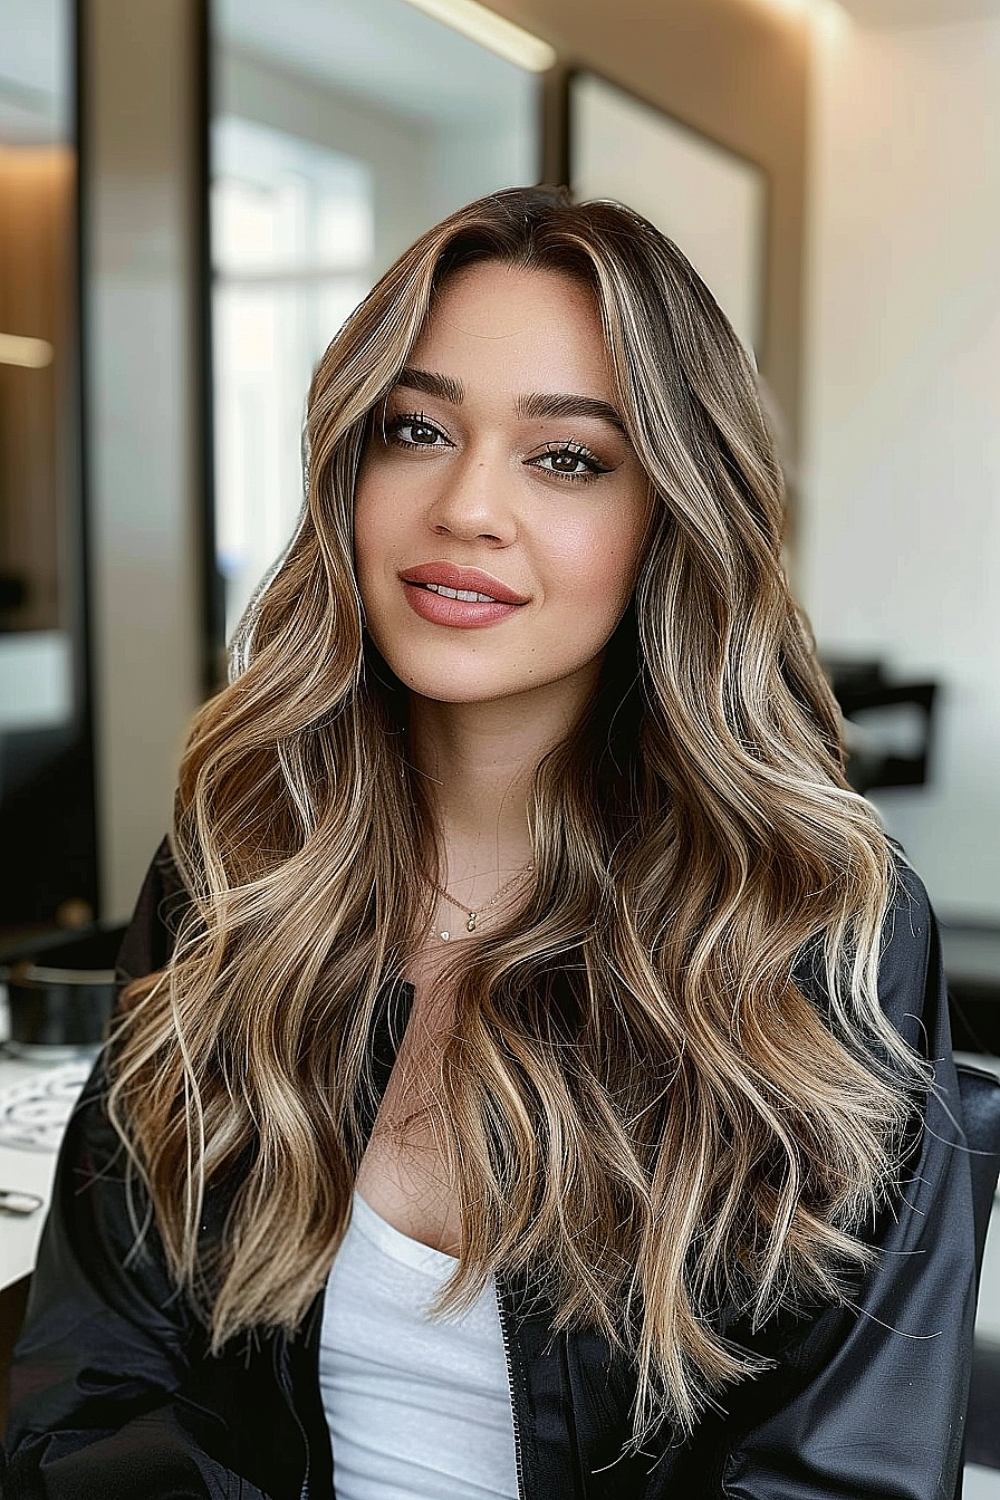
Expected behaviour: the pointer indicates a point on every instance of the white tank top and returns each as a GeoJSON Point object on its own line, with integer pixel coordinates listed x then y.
{"type": "Point", "coordinates": [418, 1408]}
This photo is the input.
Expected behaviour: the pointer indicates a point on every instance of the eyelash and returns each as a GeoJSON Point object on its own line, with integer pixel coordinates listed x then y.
{"type": "Point", "coordinates": [594, 468]}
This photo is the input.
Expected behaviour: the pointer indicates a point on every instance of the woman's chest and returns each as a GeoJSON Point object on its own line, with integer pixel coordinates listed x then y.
{"type": "Point", "coordinates": [405, 1174]}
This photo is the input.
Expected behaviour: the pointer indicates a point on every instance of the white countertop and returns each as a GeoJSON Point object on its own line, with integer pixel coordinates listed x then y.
{"type": "Point", "coordinates": [26, 1171]}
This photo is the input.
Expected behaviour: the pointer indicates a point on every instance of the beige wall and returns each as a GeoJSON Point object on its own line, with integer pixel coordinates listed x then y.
{"type": "Point", "coordinates": [737, 70]}
{"type": "Point", "coordinates": [142, 389]}
{"type": "Point", "coordinates": [901, 496]}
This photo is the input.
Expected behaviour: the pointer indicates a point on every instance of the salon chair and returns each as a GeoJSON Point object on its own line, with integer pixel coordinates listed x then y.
{"type": "Point", "coordinates": [862, 690]}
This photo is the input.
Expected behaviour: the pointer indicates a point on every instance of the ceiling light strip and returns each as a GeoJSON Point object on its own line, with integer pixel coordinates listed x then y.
{"type": "Point", "coordinates": [492, 31]}
{"type": "Point", "coordinates": [30, 354]}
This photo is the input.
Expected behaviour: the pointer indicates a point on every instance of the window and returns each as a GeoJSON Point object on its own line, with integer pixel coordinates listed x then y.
{"type": "Point", "coordinates": [292, 245]}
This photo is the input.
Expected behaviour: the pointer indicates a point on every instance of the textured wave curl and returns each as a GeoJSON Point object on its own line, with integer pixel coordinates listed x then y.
{"type": "Point", "coordinates": [641, 1104]}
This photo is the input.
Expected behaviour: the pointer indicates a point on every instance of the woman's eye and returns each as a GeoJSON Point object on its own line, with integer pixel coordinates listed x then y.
{"type": "Point", "coordinates": [571, 461]}
{"type": "Point", "coordinates": [414, 432]}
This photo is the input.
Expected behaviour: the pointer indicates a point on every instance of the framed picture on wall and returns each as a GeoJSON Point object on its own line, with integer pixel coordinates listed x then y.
{"type": "Point", "coordinates": [709, 200]}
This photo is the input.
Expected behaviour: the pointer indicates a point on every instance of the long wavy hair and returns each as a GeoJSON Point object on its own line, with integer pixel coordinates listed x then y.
{"type": "Point", "coordinates": [642, 1105]}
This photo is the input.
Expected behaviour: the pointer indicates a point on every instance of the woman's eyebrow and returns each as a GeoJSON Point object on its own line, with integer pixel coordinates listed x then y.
{"type": "Point", "coordinates": [540, 405]}
{"type": "Point", "coordinates": [442, 386]}
{"type": "Point", "coordinates": [526, 407]}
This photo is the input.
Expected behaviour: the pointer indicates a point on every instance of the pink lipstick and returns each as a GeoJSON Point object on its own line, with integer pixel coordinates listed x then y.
{"type": "Point", "coordinates": [446, 594]}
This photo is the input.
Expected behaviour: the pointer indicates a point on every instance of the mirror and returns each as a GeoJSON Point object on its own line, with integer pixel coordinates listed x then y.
{"type": "Point", "coordinates": [340, 133]}
{"type": "Point", "coordinates": [48, 872]}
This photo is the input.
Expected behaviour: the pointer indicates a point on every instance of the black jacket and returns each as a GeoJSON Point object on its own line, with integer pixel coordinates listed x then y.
{"type": "Point", "coordinates": [113, 1396]}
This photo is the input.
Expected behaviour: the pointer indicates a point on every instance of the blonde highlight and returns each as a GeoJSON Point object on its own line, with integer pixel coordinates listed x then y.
{"type": "Point", "coordinates": [643, 1104]}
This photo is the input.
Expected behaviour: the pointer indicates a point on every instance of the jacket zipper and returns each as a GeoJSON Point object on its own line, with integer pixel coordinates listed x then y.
{"type": "Point", "coordinates": [508, 1355]}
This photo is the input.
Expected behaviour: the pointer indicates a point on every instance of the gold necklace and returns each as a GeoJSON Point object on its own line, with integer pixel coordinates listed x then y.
{"type": "Point", "coordinates": [474, 916]}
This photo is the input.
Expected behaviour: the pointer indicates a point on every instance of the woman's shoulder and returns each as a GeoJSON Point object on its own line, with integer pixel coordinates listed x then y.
{"type": "Point", "coordinates": [911, 898]}
{"type": "Point", "coordinates": [908, 955]}
{"type": "Point", "coordinates": [910, 974]}
{"type": "Point", "coordinates": [160, 907]}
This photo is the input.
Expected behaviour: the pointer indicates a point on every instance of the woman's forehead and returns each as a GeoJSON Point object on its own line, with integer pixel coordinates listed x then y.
{"type": "Point", "coordinates": [530, 328]}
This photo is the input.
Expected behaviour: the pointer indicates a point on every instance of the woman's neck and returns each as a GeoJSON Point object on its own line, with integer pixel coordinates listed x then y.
{"type": "Point", "coordinates": [478, 760]}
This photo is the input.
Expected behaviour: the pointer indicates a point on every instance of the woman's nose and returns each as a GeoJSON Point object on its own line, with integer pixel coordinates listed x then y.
{"type": "Point", "coordinates": [474, 499]}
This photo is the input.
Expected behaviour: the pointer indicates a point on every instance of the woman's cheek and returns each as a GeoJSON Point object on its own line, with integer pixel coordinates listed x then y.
{"type": "Point", "coordinates": [601, 574]}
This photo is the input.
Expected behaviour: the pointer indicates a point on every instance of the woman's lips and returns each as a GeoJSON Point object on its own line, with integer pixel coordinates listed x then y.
{"type": "Point", "coordinates": [451, 577]}
{"type": "Point", "coordinates": [466, 614]}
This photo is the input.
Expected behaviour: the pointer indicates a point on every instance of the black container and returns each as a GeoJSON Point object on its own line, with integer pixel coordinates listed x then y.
{"type": "Point", "coordinates": [62, 997]}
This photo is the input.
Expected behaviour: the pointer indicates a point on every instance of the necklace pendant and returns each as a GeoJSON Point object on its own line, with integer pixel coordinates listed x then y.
{"type": "Point", "coordinates": [471, 923]}
{"type": "Point", "coordinates": [445, 936]}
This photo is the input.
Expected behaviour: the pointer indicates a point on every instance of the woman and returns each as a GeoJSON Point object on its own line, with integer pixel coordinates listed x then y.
{"type": "Point", "coordinates": [534, 1068]}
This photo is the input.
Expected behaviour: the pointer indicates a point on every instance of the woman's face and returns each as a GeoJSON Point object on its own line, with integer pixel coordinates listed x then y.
{"type": "Point", "coordinates": [502, 454]}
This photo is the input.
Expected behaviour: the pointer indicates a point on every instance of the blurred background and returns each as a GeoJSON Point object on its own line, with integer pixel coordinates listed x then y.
{"type": "Point", "coordinates": [195, 193]}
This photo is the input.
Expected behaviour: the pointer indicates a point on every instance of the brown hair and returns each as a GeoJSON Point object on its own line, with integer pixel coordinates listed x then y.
{"type": "Point", "coordinates": [640, 1103]}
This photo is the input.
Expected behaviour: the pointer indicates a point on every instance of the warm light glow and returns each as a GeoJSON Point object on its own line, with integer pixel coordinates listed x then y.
{"type": "Point", "coordinates": [31, 354]}
{"type": "Point", "coordinates": [827, 16]}
{"type": "Point", "coordinates": [492, 31]}
{"type": "Point", "coordinates": [831, 19]}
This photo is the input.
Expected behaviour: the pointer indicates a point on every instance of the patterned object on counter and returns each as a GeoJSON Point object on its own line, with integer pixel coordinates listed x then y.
{"type": "Point", "coordinates": [34, 1113]}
